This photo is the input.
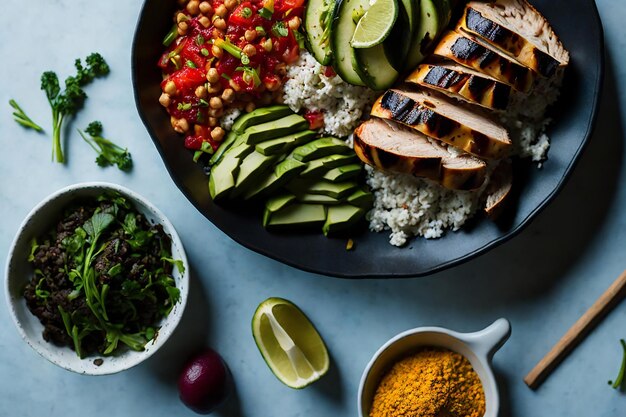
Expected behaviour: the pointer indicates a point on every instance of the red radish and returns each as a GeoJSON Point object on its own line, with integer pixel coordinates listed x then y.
{"type": "Point", "coordinates": [204, 383]}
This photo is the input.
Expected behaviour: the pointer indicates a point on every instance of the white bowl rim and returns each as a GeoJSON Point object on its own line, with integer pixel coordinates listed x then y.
{"type": "Point", "coordinates": [168, 227]}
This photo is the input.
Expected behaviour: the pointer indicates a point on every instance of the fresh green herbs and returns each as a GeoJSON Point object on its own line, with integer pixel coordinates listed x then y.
{"type": "Point", "coordinates": [245, 59]}
{"type": "Point", "coordinates": [260, 30]}
{"type": "Point", "coordinates": [190, 64]}
{"type": "Point", "coordinates": [20, 117]}
{"type": "Point", "coordinates": [229, 47]}
{"type": "Point", "coordinates": [250, 75]}
{"type": "Point", "coordinates": [67, 103]}
{"type": "Point", "coordinates": [279, 29]}
{"type": "Point", "coordinates": [108, 152]}
{"type": "Point", "coordinates": [246, 12]}
{"type": "Point", "coordinates": [265, 13]}
{"type": "Point", "coordinates": [171, 36]}
{"type": "Point", "coordinates": [200, 40]}
{"type": "Point", "coordinates": [622, 370]}
{"type": "Point", "coordinates": [118, 281]}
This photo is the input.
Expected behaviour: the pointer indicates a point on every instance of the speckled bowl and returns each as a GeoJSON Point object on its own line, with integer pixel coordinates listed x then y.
{"type": "Point", "coordinates": [478, 348]}
{"type": "Point", "coordinates": [19, 271]}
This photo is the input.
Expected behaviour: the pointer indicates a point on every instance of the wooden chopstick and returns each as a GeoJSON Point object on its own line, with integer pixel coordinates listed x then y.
{"type": "Point", "coordinates": [577, 332]}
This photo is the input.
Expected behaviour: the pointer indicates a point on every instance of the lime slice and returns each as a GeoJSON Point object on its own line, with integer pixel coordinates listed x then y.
{"type": "Point", "coordinates": [376, 24]}
{"type": "Point", "coordinates": [289, 343]}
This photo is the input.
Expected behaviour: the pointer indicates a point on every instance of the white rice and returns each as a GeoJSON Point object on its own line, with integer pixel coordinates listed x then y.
{"type": "Point", "coordinates": [229, 117]}
{"type": "Point", "coordinates": [342, 104]}
{"type": "Point", "coordinates": [406, 206]}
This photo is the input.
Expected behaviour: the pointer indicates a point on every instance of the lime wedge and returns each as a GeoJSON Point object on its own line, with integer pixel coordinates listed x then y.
{"type": "Point", "coordinates": [376, 24]}
{"type": "Point", "coordinates": [289, 343]}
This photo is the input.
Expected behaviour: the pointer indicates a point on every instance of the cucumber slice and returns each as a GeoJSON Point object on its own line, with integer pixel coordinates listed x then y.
{"type": "Point", "coordinates": [429, 25]}
{"type": "Point", "coordinates": [346, 16]}
{"type": "Point", "coordinates": [318, 20]}
{"type": "Point", "coordinates": [374, 68]}
{"type": "Point", "coordinates": [399, 41]}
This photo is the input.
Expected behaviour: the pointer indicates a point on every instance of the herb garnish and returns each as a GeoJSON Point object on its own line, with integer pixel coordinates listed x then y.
{"type": "Point", "coordinates": [622, 370]}
{"type": "Point", "coordinates": [108, 152]}
{"type": "Point", "coordinates": [265, 13]}
{"type": "Point", "coordinates": [20, 117]}
{"type": "Point", "coordinates": [280, 30]}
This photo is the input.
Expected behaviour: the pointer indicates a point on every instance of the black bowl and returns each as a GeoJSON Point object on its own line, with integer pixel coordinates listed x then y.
{"type": "Point", "coordinates": [578, 25]}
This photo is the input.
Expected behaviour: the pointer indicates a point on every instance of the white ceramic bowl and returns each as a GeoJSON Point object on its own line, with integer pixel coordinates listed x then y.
{"type": "Point", "coordinates": [19, 271]}
{"type": "Point", "coordinates": [478, 348]}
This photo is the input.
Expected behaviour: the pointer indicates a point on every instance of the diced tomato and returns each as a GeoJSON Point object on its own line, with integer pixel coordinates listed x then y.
{"type": "Point", "coordinates": [315, 119]}
{"type": "Point", "coordinates": [284, 5]}
{"type": "Point", "coordinates": [329, 72]}
{"type": "Point", "coordinates": [291, 54]}
{"type": "Point", "coordinates": [193, 142]}
{"type": "Point", "coordinates": [187, 78]}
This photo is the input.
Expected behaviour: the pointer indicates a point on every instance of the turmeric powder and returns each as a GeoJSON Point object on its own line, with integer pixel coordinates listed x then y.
{"type": "Point", "coordinates": [431, 383]}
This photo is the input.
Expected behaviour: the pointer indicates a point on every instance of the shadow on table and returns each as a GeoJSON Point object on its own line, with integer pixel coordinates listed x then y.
{"type": "Point", "coordinates": [331, 385]}
{"type": "Point", "coordinates": [505, 395]}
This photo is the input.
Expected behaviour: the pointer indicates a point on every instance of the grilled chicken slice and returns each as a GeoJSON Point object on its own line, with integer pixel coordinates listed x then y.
{"type": "Point", "coordinates": [390, 147]}
{"type": "Point", "coordinates": [499, 189]}
{"type": "Point", "coordinates": [440, 117]}
{"type": "Point", "coordinates": [465, 51]}
{"type": "Point", "coordinates": [463, 83]}
{"type": "Point", "coordinates": [486, 22]}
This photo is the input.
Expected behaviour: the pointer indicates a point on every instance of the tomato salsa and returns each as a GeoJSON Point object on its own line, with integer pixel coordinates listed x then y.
{"type": "Point", "coordinates": [224, 54]}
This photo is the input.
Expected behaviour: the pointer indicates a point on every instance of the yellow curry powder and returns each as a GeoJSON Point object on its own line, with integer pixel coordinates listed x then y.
{"type": "Point", "coordinates": [431, 383]}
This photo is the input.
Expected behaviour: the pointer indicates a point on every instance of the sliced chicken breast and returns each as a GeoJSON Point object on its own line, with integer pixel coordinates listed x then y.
{"type": "Point", "coordinates": [465, 51]}
{"type": "Point", "coordinates": [440, 117]}
{"type": "Point", "coordinates": [463, 83]}
{"type": "Point", "coordinates": [485, 22]}
{"type": "Point", "coordinates": [499, 188]}
{"type": "Point", "coordinates": [390, 147]}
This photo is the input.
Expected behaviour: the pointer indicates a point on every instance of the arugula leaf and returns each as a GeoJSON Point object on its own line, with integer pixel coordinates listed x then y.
{"type": "Point", "coordinates": [75, 242]}
{"type": "Point", "coordinates": [178, 263]}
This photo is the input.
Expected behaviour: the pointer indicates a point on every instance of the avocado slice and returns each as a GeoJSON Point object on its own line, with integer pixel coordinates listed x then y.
{"type": "Point", "coordinates": [250, 170]}
{"type": "Point", "coordinates": [284, 172]}
{"type": "Point", "coordinates": [284, 144]}
{"type": "Point", "coordinates": [225, 146]}
{"type": "Point", "coordinates": [275, 129]}
{"type": "Point", "coordinates": [318, 167]}
{"type": "Point", "coordinates": [222, 178]}
{"type": "Point", "coordinates": [260, 115]}
{"type": "Point", "coordinates": [274, 204]}
{"type": "Point", "coordinates": [319, 148]}
{"type": "Point", "coordinates": [343, 173]}
{"type": "Point", "coordinates": [336, 190]}
{"type": "Point", "coordinates": [295, 215]}
{"type": "Point", "coordinates": [361, 198]}
{"type": "Point", "coordinates": [341, 218]}
{"type": "Point", "coordinates": [317, 199]}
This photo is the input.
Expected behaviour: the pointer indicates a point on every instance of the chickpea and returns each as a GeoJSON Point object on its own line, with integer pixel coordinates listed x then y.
{"type": "Point", "coordinates": [193, 7]}
{"type": "Point", "coordinates": [181, 17]}
{"type": "Point", "coordinates": [182, 2]}
{"type": "Point", "coordinates": [216, 112]}
{"type": "Point", "coordinates": [217, 51]}
{"type": "Point", "coordinates": [231, 4]}
{"type": "Point", "coordinates": [181, 31]}
{"type": "Point", "coordinates": [205, 22]}
{"type": "Point", "coordinates": [201, 92]}
{"type": "Point", "coordinates": [249, 50]}
{"type": "Point", "coordinates": [281, 69]}
{"type": "Point", "coordinates": [220, 23]}
{"type": "Point", "coordinates": [165, 100]}
{"type": "Point", "coordinates": [180, 125]}
{"type": "Point", "coordinates": [294, 23]}
{"type": "Point", "coordinates": [170, 88]}
{"type": "Point", "coordinates": [272, 84]}
{"type": "Point", "coordinates": [250, 35]}
{"type": "Point", "coordinates": [216, 103]}
{"type": "Point", "coordinates": [206, 8]}
{"type": "Point", "coordinates": [250, 107]}
{"type": "Point", "coordinates": [234, 85]}
{"type": "Point", "coordinates": [215, 88]}
{"type": "Point", "coordinates": [221, 10]}
{"type": "Point", "coordinates": [177, 61]}
{"type": "Point", "coordinates": [267, 45]}
{"type": "Point", "coordinates": [218, 134]}
{"type": "Point", "coordinates": [228, 95]}
{"type": "Point", "coordinates": [212, 75]}
{"type": "Point", "coordinates": [217, 33]}
{"type": "Point", "coordinates": [212, 121]}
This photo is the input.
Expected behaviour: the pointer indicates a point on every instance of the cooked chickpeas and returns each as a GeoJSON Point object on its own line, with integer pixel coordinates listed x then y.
{"type": "Point", "coordinates": [249, 50]}
{"type": "Point", "coordinates": [206, 8]}
{"type": "Point", "coordinates": [250, 35]}
{"type": "Point", "coordinates": [182, 28]}
{"type": "Point", "coordinates": [201, 92]}
{"type": "Point", "coordinates": [250, 107]}
{"type": "Point", "coordinates": [216, 112]}
{"type": "Point", "coordinates": [294, 23]}
{"type": "Point", "coordinates": [220, 23]}
{"type": "Point", "coordinates": [212, 75]}
{"type": "Point", "coordinates": [280, 69]}
{"type": "Point", "coordinates": [214, 88]}
{"type": "Point", "coordinates": [272, 84]}
{"type": "Point", "coordinates": [212, 121]}
{"type": "Point", "coordinates": [221, 10]}
{"type": "Point", "coordinates": [181, 17]}
{"type": "Point", "coordinates": [165, 100]}
{"type": "Point", "coordinates": [205, 22]}
{"type": "Point", "coordinates": [267, 45]}
{"type": "Point", "coordinates": [217, 51]}
{"type": "Point", "coordinates": [218, 134]}
{"type": "Point", "coordinates": [216, 103]}
{"type": "Point", "coordinates": [228, 95]}
{"type": "Point", "coordinates": [230, 4]}
{"type": "Point", "coordinates": [180, 125]}
{"type": "Point", "coordinates": [193, 7]}
{"type": "Point", "coordinates": [170, 88]}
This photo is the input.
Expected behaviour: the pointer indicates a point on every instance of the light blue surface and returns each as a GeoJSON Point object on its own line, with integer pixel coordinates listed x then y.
{"type": "Point", "coordinates": [542, 281]}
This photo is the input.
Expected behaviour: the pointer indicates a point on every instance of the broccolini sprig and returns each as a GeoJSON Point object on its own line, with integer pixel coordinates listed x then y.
{"type": "Point", "coordinates": [108, 152]}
